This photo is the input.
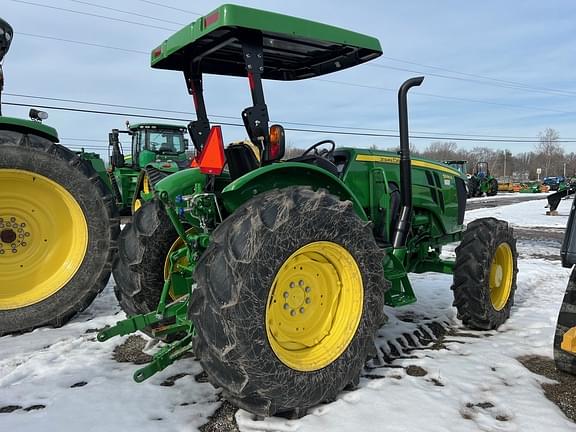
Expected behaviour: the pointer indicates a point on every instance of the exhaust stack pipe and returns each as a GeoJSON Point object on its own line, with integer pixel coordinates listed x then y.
{"type": "Point", "coordinates": [404, 221]}
{"type": "Point", "coordinates": [6, 33]}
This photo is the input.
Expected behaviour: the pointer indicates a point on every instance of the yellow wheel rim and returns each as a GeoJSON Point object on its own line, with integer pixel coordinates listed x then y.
{"type": "Point", "coordinates": [178, 243]}
{"type": "Point", "coordinates": [314, 306]}
{"type": "Point", "coordinates": [501, 274]}
{"type": "Point", "coordinates": [43, 238]}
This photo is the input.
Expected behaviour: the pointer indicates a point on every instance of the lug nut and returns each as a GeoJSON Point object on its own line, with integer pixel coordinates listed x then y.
{"type": "Point", "coordinates": [286, 306]}
{"type": "Point", "coordinates": [292, 284]}
{"type": "Point", "coordinates": [308, 300]}
{"type": "Point", "coordinates": [301, 310]}
{"type": "Point", "coordinates": [301, 282]}
{"type": "Point", "coordinates": [286, 294]}
{"type": "Point", "coordinates": [307, 289]}
{"type": "Point", "coordinates": [293, 312]}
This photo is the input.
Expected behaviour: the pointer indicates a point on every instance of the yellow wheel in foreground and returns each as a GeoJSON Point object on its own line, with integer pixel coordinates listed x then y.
{"type": "Point", "coordinates": [501, 273]}
{"type": "Point", "coordinates": [314, 306]}
{"type": "Point", "coordinates": [289, 295]}
{"type": "Point", "coordinates": [43, 238]}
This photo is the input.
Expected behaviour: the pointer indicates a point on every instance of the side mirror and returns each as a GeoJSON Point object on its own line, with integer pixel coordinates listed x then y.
{"type": "Point", "coordinates": [277, 146]}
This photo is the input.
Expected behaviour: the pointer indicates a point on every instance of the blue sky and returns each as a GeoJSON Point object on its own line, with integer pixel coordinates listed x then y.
{"type": "Point", "coordinates": [528, 42]}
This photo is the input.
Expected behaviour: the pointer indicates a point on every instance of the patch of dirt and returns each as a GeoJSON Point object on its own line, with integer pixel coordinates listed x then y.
{"type": "Point", "coordinates": [540, 234]}
{"type": "Point", "coordinates": [79, 384]}
{"type": "Point", "coordinates": [170, 381]}
{"type": "Point", "coordinates": [131, 351]}
{"type": "Point", "coordinates": [35, 407]}
{"type": "Point", "coordinates": [416, 371]}
{"type": "Point", "coordinates": [562, 394]}
{"type": "Point", "coordinates": [223, 420]}
{"type": "Point", "coordinates": [9, 408]}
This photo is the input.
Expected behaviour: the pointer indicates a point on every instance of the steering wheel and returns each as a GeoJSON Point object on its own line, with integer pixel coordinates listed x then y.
{"type": "Point", "coordinates": [322, 153]}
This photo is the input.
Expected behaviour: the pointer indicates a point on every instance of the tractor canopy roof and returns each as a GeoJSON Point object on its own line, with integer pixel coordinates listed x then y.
{"type": "Point", "coordinates": [294, 48]}
{"type": "Point", "coordinates": [136, 126]}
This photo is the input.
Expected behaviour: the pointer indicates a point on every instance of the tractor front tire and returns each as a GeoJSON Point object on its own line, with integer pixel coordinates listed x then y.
{"type": "Point", "coordinates": [485, 274]}
{"type": "Point", "coordinates": [289, 296]}
{"type": "Point", "coordinates": [58, 230]}
{"type": "Point", "coordinates": [566, 361]}
{"type": "Point", "coordinates": [142, 250]}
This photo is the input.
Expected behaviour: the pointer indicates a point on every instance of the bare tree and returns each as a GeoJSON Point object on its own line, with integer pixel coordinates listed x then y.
{"type": "Point", "coordinates": [549, 148]}
{"type": "Point", "coordinates": [441, 150]}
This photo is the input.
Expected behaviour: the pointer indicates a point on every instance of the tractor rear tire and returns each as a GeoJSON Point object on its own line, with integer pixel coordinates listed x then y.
{"type": "Point", "coordinates": [564, 360]}
{"type": "Point", "coordinates": [142, 249]}
{"type": "Point", "coordinates": [485, 274]}
{"type": "Point", "coordinates": [237, 318]}
{"type": "Point", "coordinates": [58, 230]}
{"type": "Point", "coordinates": [473, 187]}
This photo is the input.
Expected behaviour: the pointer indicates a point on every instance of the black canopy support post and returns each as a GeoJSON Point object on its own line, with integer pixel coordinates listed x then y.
{"type": "Point", "coordinates": [255, 117]}
{"type": "Point", "coordinates": [1, 87]}
{"type": "Point", "coordinates": [199, 128]}
{"type": "Point", "coordinates": [404, 221]}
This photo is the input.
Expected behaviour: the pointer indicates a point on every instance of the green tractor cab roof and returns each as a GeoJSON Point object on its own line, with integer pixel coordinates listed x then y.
{"type": "Point", "coordinates": [294, 48]}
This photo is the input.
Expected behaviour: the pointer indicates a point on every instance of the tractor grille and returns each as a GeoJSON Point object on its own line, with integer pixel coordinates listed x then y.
{"type": "Point", "coordinates": [461, 193]}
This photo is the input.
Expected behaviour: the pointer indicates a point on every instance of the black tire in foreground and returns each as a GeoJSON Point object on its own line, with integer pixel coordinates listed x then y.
{"type": "Point", "coordinates": [566, 361]}
{"type": "Point", "coordinates": [142, 249]}
{"type": "Point", "coordinates": [485, 274]}
{"type": "Point", "coordinates": [58, 231]}
{"type": "Point", "coordinates": [247, 288]}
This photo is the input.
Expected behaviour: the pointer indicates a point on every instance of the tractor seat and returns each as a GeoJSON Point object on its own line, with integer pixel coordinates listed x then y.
{"type": "Point", "coordinates": [318, 161]}
{"type": "Point", "coordinates": [241, 159]}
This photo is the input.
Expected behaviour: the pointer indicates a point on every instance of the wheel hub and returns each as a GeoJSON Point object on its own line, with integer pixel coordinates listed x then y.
{"type": "Point", "coordinates": [43, 238]}
{"type": "Point", "coordinates": [501, 275]}
{"type": "Point", "coordinates": [14, 235]}
{"type": "Point", "coordinates": [314, 306]}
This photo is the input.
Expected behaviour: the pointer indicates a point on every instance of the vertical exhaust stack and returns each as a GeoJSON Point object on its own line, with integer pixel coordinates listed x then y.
{"type": "Point", "coordinates": [6, 33]}
{"type": "Point", "coordinates": [404, 221]}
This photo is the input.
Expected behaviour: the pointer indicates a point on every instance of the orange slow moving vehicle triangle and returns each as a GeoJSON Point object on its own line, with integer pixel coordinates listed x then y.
{"type": "Point", "coordinates": [212, 158]}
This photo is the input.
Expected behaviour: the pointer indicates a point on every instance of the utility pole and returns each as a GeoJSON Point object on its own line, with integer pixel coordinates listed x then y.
{"type": "Point", "coordinates": [504, 174]}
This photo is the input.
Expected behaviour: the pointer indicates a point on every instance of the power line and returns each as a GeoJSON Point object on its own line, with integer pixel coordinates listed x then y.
{"type": "Point", "coordinates": [376, 135]}
{"type": "Point", "coordinates": [81, 43]}
{"type": "Point", "coordinates": [437, 75]}
{"type": "Point", "coordinates": [169, 7]}
{"type": "Point", "coordinates": [432, 95]}
{"type": "Point", "coordinates": [516, 83]}
{"type": "Point", "coordinates": [125, 12]}
{"type": "Point", "coordinates": [419, 93]}
{"type": "Point", "coordinates": [92, 15]}
{"type": "Point", "coordinates": [76, 101]}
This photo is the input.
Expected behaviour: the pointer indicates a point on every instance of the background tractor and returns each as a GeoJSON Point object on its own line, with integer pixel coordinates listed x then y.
{"type": "Point", "coordinates": [282, 267]}
{"type": "Point", "coordinates": [157, 150]}
{"type": "Point", "coordinates": [481, 182]}
{"type": "Point", "coordinates": [58, 223]}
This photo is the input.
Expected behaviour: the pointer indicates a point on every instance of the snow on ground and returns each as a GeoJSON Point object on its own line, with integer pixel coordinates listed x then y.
{"type": "Point", "coordinates": [474, 383]}
{"type": "Point", "coordinates": [526, 214]}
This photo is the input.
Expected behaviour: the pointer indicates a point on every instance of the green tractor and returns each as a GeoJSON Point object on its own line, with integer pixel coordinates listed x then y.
{"type": "Point", "coordinates": [281, 269]}
{"type": "Point", "coordinates": [482, 183]}
{"type": "Point", "coordinates": [58, 223]}
{"type": "Point", "coordinates": [157, 150]}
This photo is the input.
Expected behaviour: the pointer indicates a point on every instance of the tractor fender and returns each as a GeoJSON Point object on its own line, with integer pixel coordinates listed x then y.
{"type": "Point", "coordinates": [180, 183]}
{"type": "Point", "coordinates": [282, 175]}
{"type": "Point", "coordinates": [29, 127]}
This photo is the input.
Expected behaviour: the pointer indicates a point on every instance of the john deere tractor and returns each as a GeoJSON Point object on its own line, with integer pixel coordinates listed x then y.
{"type": "Point", "coordinates": [482, 183]}
{"type": "Point", "coordinates": [281, 269]}
{"type": "Point", "coordinates": [565, 335]}
{"type": "Point", "coordinates": [58, 223]}
{"type": "Point", "coordinates": [157, 150]}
